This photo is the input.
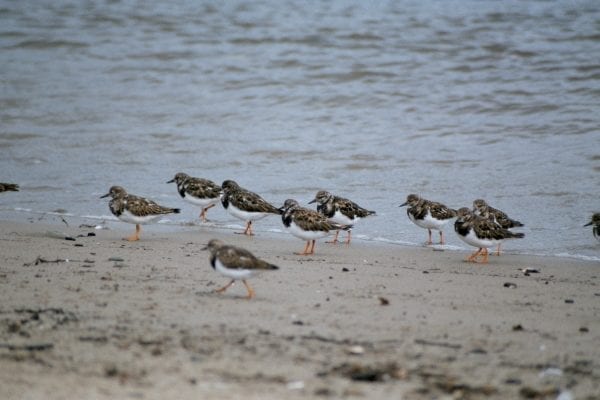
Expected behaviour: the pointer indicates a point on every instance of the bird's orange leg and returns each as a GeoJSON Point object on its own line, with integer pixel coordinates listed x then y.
{"type": "Point", "coordinates": [498, 250]}
{"type": "Point", "coordinates": [136, 236]}
{"type": "Point", "coordinates": [473, 257]}
{"type": "Point", "coordinates": [335, 239]}
{"type": "Point", "coordinates": [485, 255]}
{"type": "Point", "coordinates": [203, 213]}
{"type": "Point", "coordinates": [250, 290]}
{"type": "Point", "coordinates": [224, 288]}
{"type": "Point", "coordinates": [441, 237]}
{"type": "Point", "coordinates": [348, 238]}
{"type": "Point", "coordinates": [429, 241]}
{"type": "Point", "coordinates": [248, 230]}
{"type": "Point", "coordinates": [305, 251]}
{"type": "Point", "coordinates": [312, 248]}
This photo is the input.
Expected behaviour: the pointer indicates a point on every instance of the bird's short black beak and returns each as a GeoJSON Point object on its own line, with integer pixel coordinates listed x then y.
{"type": "Point", "coordinates": [588, 224]}
{"type": "Point", "coordinates": [171, 181]}
{"type": "Point", "coordinates": [106, 195]}
{"type": "Point", "coordinates": [312, 201]}
{"type": "Point", "coordinates": [403, 204]}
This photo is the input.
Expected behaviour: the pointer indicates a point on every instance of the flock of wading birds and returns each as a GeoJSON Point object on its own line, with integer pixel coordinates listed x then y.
{"type": "Point", "coordinates": [481, 227]}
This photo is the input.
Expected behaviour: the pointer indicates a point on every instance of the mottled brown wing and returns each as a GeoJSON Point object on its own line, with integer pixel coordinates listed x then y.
{"type": "Point", "coordinates": [487, 229]}
{"type": "Point", "coordinates": [142, 207]}
{"type": "Point", "coordinates": [351, 209]}
{"type": "Point", "coordinates": [311, 220]}
{"type": "Point", "coordinates": [504, 220]}
{"type": "Point", "coordinates": [251, 202]}
{"type": "Point", "coordinates": [237, 258]}
{"type": "Point", "coordinates": [203, 188]}
{"type": "Point", "coordinates": [440, 211]}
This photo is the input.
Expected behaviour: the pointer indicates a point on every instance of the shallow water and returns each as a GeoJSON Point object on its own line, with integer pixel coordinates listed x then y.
{"type": "Point", "coordinates": [451, 100]}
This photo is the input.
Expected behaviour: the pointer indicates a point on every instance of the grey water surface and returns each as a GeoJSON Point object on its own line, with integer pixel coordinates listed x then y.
{"type": "Point", "coordinates": [453, 100]}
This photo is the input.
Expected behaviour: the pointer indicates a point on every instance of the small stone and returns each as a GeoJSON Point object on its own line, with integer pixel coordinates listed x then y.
{"type": "Point", "coordinates": [323, 392]}
{"type": "Point", "coordinates": [356, 350]}
{"type": "Point", "coordinates": [527, 271]}
{"type": "Point", "coordinates": [569, 301]}
{"type": "Point", "coordinates": [383, 301]}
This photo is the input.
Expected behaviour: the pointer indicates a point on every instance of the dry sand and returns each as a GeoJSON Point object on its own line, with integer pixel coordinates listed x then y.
{"type": "Point", "coordinates": [370, 321]}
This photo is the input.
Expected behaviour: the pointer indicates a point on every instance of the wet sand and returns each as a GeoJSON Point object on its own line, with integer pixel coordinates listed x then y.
{"type": "Point", "coordinates": [141, 320]}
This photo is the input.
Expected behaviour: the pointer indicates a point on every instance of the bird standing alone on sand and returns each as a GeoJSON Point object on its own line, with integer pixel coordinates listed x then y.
{"type": "Point", "coordinates": [135, 210]}
{"type": "Point", "coordinates": [483, 209]}
{"type": "Point", "coordinates": [340, 210]}
{"type": "Point", "coordinates": [428, 214]}
{"type": "Point", "coordinates": [201, 192]}
{"type": "Point", "coordinates": [307, 224]}
{"type": "Point", "coordinates": [245, 205]}
{"type": "Point", "coordinates": [596, 223]}
{"type": "Point", "coordinates": [235, 263]}
{"type": "Point", "coordinates": [481, 233]}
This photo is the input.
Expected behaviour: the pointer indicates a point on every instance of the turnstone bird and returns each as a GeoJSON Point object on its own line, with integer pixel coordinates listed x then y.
{"type": "Point", "coordinates": [307, 224]}
{"type": "Point", "coordinates": [235, 263]}
{"type": "Point", "coordinates": [428, 214]}
{"type": "Point", "coordinates": [483, 209]}
{"type": "Point", "coordinates": [9, 187]}
{"type": "Point", "coordinates": [245, 205]}
{"type": "Point", "coordinates": [135, 210]}
{"type": "Point", "coordinates": [596, 222]}
{"type": "Point", "coordinates": [340, 210]}
{"type": "Point", "coordinates": [480, 232]}
{"type": "Point", "coordinates": [201, 192]}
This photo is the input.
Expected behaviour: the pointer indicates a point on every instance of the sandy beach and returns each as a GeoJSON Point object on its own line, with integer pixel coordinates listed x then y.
{"type": "Point", "coordinates": [86, 315]}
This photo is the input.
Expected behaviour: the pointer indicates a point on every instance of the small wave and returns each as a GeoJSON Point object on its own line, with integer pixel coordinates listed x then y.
{"type": "Point", "coordinates": [578, 256]}
{"type": "Point", "coordinates": [361, 37]}
{"type": "Point", "coordinates": [551, 194]}
{"type": "Point", "coordinates": [100, 217]}
{"type": "Point", "coordinates": [41, 44]}
{"type": "Point", "coordinates": [19, 136]}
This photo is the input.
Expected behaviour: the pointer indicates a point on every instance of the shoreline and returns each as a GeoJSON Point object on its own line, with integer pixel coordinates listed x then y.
{"type": "Point", "coordinates": [54, 218]}
{"type": "Point", "coordinates": [141, 320]}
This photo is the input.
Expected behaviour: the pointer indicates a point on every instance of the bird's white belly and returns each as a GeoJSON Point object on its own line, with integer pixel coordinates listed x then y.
{"type": "Point", "coordinates": [429, 222]}
{"type": "Point", "coordinates": [201, 202]}
{"type": "Point", "coordinates": [306, 235]}
{"type": "Point", "coordinates": [126, 216]}
{"type": "Point", "coordinates": [245, 215]}
{"type": "Point", "coordinates": [237, 274]}
{"type": "Point", "coordinates": [343, 219]}
{"type": "Point", "coordinates": [473, 240]}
